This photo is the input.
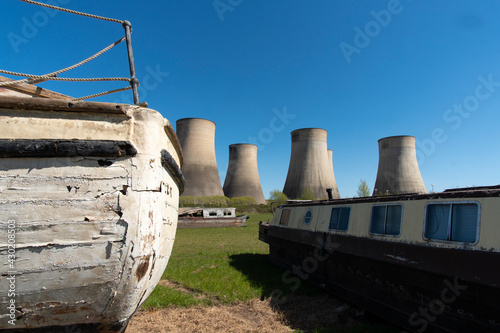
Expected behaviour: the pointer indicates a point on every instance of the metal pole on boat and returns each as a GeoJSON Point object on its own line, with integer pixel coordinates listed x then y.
{"type": "Point", "coordinates": [133, 79]}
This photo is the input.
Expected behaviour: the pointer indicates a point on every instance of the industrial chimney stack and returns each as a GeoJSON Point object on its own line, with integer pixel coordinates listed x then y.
{"type": "Point", "coordinates": [398, 171]}
{"type": "Point", "coordinates": [242, 178]}
{"type": "Point", "coordinates": [197, 138]}
{"type": "Point", "coordinates": [310, 167]}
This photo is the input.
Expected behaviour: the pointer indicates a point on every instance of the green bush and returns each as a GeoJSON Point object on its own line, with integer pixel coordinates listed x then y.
{"type": "Point", "coordinates": [363, 189]}
{"type": "Point", "coordinates": [278, 196]}
{"type": "Point", "coordinates": [307, 195]}
{"type": "Point", "coordinates": [204, 201]}
{"type": "Point", "coordinates": [241, 201]}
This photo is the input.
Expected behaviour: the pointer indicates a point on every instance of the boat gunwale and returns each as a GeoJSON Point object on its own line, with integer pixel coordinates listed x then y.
{"type": "Point", "coordinates": [52, 104]}
{"type": "Point", "coordinates": [479, 192]}
{"type": "Point", "coordinates": [169, 130]}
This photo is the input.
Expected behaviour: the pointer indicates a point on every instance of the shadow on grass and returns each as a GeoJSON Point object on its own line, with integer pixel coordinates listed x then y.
{"type": "Point", "coordinates": [272, 281]}
{"type": "Point", "coordinates": [303, 306]}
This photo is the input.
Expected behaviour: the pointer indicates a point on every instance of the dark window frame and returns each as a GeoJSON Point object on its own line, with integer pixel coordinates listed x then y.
{"type": "Point", "coordinates": [285, 214]}
{"type": "Point", "coordinates": [450, 222]}
{"type": "Point", "coordinates": [348, 219]}
{"type": "Point", "coordinates": [385, 234]}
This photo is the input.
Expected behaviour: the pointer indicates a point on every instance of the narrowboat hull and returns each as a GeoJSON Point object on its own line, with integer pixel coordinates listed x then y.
{"type": "Point", "coordinates": [420, 288]}
{"type": "Point", "coordinates": [221, 222]}
{"type": "Point", "coordinates": [89, 192]}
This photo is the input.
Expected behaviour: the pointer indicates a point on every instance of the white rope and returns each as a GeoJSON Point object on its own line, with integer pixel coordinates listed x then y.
{"type": "Point", "coordinates": [49, 76]}
{"type": "Point", "coordinates": [92, 79]}
{"type": "Point", "coordinates": [73, 11]}
{"type": "Point", "coordinates": [102, 94]}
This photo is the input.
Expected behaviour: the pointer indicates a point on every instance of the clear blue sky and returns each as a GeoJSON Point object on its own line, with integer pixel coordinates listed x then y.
{"type": "Point", "coordinates": [362, 70]}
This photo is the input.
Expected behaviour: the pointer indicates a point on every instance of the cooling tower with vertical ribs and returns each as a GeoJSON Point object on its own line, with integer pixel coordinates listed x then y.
{"type": "Point", "coordinates": [398, 171]}
{"type": "Point", "coordinates": [242, 178]}
{"type": "Point", "coordinates": [197, 138]}
{"type": "Point", "coordinates": [309, 167]}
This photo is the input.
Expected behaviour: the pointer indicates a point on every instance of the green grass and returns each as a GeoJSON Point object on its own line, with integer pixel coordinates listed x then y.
{"type": "Point", "coordinates": [222, 264]}
{"type": "Point", "coordinates": [211, 266]}
{"type": "Point", "coordinates": [163, 297]}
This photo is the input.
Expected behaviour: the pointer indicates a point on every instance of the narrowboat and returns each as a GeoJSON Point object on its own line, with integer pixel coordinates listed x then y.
{"type": "Point", "coordinates": [89, 197]}
{"type": "Point", "coordinates": [196, 217]}
{"type": "Point", "coordinates": [426, 262]}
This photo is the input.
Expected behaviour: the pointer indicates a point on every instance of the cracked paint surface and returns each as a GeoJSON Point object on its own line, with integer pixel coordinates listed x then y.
{"type": "Point", "coordinates": [93, 235]}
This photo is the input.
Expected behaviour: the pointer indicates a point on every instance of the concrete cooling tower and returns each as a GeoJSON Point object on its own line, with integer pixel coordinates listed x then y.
{"type": "Point", "coordinates": [242, 178]}
{"type": "Point", "coordinates": [335, 191]}
{"type": "Point", "coordinates": [309, 165]}
{"type": "Point", "coordinates": [197, 138]}
{"type": "Point", "coordinates": [398, 171]}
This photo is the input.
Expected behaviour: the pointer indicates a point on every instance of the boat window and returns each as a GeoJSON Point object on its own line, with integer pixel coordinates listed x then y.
{"type": "Point", "coordinates": [285, 216]}
{"type": "Point", "coordinates": [339, 219]}
{"type": "Point", "coordinates": [308, 217]}
{"type": "Point", "coordinates": [386, 219]}
{"type": "Point", "coordinates": [452, 222]}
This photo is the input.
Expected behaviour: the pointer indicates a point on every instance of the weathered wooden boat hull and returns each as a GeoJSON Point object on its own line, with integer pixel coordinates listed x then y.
{"type": "Point", "coordinates": [200, 222]}
{"type": "Point", "coordinates": [92, 192]}
{"type": "Point", "coordinates": [419, 285]}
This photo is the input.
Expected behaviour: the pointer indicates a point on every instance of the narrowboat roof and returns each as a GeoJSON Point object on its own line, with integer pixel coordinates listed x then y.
{"type": "Point", "coordinates": [468, 192]}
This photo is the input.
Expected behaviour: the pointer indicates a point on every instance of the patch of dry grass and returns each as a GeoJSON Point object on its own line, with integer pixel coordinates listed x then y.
{"type": "Point", "coordinates": [250, 316]}
{"type": "Point", "coordinates": [295, 314]}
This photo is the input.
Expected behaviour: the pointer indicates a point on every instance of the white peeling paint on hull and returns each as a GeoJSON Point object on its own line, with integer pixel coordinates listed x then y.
{"type": "Point", "coordinates": [93, 234]}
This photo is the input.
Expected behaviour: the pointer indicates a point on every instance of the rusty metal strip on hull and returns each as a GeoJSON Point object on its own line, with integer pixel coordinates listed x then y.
{"type": "Point", "coordinates": [173, 168]}
{"type": "Point", "coordinates": [65, 148]}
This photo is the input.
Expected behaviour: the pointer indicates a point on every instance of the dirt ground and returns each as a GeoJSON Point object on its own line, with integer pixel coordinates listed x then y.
{"type": "Point", "coordinates": [299, 313]}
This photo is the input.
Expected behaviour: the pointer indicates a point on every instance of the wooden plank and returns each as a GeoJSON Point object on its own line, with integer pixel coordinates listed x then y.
{"type": "Point", "coordinates": [64, 259]}
{"type": "Point", "coordinates": [88, 231]}
{"type": "Point", "coordinates": [52, 104]}
{"type": "Point", "coordinates": [69, 170]}
{"type": "Point", "coordinates": [32, 90]}
{"type": "Point", "coordinates": [105, 208]}
{"type": "Point", "coordinates": [35, 188]}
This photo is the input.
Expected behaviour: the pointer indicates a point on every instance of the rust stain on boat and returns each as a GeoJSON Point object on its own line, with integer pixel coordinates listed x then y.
{"type": "Point", "coordinates": [142, 268]}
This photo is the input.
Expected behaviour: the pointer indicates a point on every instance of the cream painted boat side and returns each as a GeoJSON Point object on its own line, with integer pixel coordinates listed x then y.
{"type": "Point", "coordinates": [412, 224]}
{"type": "Point", "coordinates": [92, 238]}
